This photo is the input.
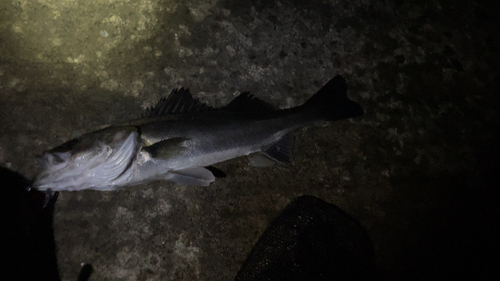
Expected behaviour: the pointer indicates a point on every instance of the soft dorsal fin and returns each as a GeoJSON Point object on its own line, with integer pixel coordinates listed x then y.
{"type": "Point", "coordinates": [249, 103]}
{"type": "Point", "coordinates": [179, 101]}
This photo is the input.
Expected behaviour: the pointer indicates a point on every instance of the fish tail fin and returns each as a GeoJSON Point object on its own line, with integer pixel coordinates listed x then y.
{"type": "Point", "coordinates": [331, 103]}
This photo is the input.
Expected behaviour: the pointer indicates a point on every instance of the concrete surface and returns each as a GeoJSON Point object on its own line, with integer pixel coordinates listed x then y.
{"type": "Point", "coordinates": [416, 170]}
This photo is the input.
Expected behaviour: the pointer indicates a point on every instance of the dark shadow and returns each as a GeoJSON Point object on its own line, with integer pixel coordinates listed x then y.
{"type": "Point", "coordinates": [27, 237]}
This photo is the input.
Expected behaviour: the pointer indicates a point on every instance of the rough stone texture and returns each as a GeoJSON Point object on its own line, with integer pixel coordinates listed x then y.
{"type": "Point", "coordinates": [416, 170]}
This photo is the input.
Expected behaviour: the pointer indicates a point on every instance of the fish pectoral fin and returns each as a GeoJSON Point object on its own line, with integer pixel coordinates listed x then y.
{"type": "Point", "coordinates": [166, 149]}
{"type": "Point", "coordinates": [260, 160]}
{"type": "Point", "coordinates": [281, 150]}
{"type": "Point", "coordinates": [197, 176]}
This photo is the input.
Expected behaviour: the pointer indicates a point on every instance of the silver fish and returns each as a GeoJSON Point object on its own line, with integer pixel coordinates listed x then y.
{"type": "Point", "coordinates": [180, 137]}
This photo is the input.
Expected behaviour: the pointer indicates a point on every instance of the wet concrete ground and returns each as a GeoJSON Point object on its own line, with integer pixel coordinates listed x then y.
{"type": "Point", "coordinates": [418, 170]}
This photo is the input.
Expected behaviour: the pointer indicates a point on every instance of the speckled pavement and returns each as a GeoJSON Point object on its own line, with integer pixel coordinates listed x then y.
{"type": "Point", "coordinates": [415, 170]}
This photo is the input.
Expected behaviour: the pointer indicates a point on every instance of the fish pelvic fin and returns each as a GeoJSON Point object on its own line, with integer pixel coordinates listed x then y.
{"type": "Point", "coordinates": [196, 176]}
{"type": "Point", "coordinates": [331, 103]}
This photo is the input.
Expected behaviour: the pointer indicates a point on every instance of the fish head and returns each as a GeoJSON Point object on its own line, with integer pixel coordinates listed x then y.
{"type": "Point", "coordinates": [98, 160]}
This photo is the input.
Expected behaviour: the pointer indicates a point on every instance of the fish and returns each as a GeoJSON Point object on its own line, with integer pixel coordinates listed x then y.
{"type": "Point", "coordinates": [180, 138]}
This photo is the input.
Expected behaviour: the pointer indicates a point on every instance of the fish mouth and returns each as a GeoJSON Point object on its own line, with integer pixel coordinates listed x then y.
{"type": "Point", "coordinates": [102, 167]}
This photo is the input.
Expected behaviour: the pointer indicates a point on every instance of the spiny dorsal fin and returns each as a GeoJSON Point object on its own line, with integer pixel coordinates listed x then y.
{"type": "Point", "coordinates": [179, 101]}
{"type": "Point", "coordinates": [249, 103]}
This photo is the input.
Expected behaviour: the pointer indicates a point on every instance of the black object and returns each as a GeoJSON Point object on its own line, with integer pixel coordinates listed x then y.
{"type": "Point", "coordinates": [218, 173]}
{"type": "Point", "coordinates": [311, 240]}
{"type": "Point", "coordinates": [85, 272]}
{"type": "Point", "coordinates": [26, 235]}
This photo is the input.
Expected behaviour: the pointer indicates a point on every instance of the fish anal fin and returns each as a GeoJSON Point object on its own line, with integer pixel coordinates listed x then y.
{"type": "Point", "coordinates": [197, 176]}
{"type": "Point", "coordinates": [281, 150]}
